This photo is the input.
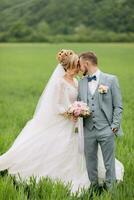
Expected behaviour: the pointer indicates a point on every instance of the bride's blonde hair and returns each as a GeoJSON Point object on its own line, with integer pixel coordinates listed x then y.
{"type": "Point", "coordinates": [68, 58]}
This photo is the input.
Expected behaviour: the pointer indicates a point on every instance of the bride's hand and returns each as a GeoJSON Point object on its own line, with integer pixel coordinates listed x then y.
{"type": "Point", "coordinates": [66, 115]}
{"type": "Point", "coordinates": [74, 119]}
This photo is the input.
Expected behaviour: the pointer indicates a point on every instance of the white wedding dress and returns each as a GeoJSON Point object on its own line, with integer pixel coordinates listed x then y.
{"type": "Point", "coordinates": [48, 145]}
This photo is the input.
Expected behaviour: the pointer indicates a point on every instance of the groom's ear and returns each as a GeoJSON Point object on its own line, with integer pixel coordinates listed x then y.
{"type": "Point", "coordinates": [87, 62]}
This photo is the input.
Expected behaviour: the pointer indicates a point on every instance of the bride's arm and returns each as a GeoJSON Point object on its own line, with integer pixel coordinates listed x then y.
{"type": "Point", "coordinates": [61, 97]}
{"type": "Point", "coordinates": [62, 100]}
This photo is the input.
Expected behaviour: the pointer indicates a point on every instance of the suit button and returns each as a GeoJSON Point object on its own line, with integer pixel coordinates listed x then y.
{"type": "Point", "coordinates": [93, 116]}
{"type": "Point", "coordinates": [92, 110]}
{"type": "Point", "coordinates": [92, 104]}
{"type": "Point", "coordinates": [92, 98]}
{"type": "Point", "coordinates": [93, 122]}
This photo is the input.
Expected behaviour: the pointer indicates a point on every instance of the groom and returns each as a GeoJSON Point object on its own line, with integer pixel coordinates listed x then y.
{"type": "Point", "coordinates": [102, 93]}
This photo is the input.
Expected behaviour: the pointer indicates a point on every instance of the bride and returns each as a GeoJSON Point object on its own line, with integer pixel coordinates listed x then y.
{"type": "Point", "coordinates": [48, 144]}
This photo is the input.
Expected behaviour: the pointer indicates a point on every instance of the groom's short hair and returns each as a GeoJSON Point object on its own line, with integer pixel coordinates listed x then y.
{"type": "Point", "coordinates": [89, 56]}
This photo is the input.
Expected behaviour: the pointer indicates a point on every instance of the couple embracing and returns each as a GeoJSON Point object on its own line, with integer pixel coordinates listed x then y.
{"type": "Point", "coordinates": [48, 146]}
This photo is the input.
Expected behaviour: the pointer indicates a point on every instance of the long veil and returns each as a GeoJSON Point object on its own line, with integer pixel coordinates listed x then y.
{"type": "Point", "coordinates": [45, 103]}
{"type": "Point", "coordinates": [40, 120]}
{"type": "Point", "coordinates": [45, 108]}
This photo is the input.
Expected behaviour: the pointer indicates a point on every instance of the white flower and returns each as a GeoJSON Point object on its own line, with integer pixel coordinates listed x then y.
{"type": "Point", "coordinates": [103, 89]}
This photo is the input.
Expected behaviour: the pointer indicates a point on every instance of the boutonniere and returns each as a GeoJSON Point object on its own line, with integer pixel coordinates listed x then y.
{"type": "Point", "coordinates": [103, 89]}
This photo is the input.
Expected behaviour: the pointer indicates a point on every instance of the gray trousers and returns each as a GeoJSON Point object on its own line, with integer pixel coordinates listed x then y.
{"type": "Point", "coordinates": [104, 137]}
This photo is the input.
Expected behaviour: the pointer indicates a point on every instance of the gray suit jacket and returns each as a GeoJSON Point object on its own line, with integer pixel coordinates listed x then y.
{"type": "Point", "coordinates": [110, 103]}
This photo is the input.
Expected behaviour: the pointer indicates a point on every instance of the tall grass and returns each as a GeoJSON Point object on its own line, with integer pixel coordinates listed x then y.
{"type": "Point", "coordinates": [24, 71]}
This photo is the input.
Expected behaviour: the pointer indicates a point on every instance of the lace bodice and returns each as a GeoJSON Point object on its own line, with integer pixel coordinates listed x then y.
{"type": "Point", "coordinates": [67, 94]}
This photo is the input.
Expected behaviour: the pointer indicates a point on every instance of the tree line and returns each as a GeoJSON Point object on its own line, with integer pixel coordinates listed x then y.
{"type": "Point", "coordinates": [66, 21]}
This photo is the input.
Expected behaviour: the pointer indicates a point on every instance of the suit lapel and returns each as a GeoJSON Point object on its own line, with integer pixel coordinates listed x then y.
{"type": "Point", "coordinates": [101, 81]}
{"type": "Point", "coordinates": [85, 89]}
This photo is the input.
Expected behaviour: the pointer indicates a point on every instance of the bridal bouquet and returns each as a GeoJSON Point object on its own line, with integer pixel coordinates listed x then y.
{"type": "Point", "coordinates": [78, 109]}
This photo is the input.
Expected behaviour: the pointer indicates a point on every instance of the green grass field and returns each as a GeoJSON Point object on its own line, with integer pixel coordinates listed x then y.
{"type": "Point", "coordinates": [24, 71]}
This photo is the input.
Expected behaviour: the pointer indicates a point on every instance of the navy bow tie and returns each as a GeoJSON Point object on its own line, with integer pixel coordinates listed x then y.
{"type": "Point", "coordinates": [90, 78]}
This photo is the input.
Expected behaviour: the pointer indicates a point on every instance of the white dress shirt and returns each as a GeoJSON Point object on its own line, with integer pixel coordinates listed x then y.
{"type": "Point", "coordinates": [94, 83]}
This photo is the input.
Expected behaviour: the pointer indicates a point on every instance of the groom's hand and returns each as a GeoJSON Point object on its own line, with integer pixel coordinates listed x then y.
{"type": "Point", "coordinates": [114, 130]}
